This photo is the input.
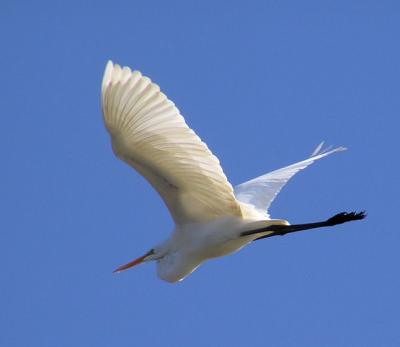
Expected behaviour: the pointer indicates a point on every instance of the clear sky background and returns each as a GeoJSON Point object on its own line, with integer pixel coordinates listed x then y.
{"type": "Point", "coordinates": [262, 82]}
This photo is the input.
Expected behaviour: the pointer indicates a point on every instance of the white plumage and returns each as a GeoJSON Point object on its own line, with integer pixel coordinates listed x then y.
{"type": "Point", "coordinates": [148, 133]}
{"type": "Point", "coordinates": [261, 191]}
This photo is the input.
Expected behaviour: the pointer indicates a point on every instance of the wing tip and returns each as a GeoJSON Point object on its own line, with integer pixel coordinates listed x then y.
{"type": "Point", "coordinates": [118, 72]}
{"type": "Point", "coordinates": [319, 150]}
{"type": "Point", "coordinates": [107, 74]}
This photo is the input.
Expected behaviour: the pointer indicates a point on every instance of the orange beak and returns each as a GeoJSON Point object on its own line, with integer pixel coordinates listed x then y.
{"type": "Point", "coordinates": [133, 262]}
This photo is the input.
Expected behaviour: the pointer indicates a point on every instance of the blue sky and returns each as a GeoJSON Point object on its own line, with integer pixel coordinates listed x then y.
{"type": "Point", "coordinates": [262, 82]}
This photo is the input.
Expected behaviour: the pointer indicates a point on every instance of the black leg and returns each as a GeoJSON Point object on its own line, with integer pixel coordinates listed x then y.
{"type": "Point", "coordinates": [281, 230]}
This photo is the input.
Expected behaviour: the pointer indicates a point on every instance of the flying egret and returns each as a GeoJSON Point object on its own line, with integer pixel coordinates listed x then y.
{"type": "Point", "coordinates": [211, 217]}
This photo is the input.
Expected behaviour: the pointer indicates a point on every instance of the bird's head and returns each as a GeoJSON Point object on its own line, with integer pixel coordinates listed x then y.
{"type": "Point", "coordinates": [154, 254]}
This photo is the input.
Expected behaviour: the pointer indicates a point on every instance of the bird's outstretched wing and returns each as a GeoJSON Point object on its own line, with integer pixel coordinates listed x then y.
{"type": "Point", "coordinates": [261, 191]}
{"type": "Point", "coordinates": [148, 132]}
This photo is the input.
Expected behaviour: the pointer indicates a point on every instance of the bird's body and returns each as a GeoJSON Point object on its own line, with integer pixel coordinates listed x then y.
{"type": "Point", "coordinates": [192, 244]}
{"type": "Point", "coordinates": [211, 217]}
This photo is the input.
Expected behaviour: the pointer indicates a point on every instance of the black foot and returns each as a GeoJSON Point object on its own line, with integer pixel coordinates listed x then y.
{"type": "Point", "coordinates": [345, 217]}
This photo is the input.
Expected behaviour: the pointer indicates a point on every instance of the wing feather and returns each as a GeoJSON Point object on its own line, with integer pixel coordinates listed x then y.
{"type": "Point", "coordinates": [261, 191]}
{"type": "Point", "coordinates": [148, 132]}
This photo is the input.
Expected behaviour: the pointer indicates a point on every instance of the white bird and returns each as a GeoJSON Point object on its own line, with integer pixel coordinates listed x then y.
{"type": "Point", "coordinates": [211, 217]}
